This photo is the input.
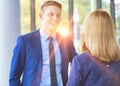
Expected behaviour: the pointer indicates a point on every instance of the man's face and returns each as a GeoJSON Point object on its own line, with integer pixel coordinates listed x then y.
{"type": "Point", "coordinates": [51, 18]}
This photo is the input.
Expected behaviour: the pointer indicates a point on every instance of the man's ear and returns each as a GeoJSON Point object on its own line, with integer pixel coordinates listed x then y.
{"type": "Point", "coordinates": [41, 15]}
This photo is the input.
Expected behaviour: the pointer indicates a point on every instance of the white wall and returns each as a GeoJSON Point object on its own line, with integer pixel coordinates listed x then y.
{"type": "Point", "coordinates": [9, 31]}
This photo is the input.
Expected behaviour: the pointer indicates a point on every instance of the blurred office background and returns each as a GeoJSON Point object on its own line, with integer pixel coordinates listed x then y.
{"type": "Point", "coordinates": [19, 17]}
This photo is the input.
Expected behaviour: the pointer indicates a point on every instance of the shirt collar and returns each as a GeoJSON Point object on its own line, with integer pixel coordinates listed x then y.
{"type": "Point", "coordinates": [45, 36]}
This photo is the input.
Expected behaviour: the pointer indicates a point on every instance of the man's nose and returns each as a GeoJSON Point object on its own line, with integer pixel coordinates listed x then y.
{"type": "Point", "coordinates": [55, 17]}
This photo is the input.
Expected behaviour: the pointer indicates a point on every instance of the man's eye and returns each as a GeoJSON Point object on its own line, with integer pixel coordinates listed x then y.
{"type": "Point", "coordinates": [53, 14]}
{"type": "Point", "coordinates": [50, 14]}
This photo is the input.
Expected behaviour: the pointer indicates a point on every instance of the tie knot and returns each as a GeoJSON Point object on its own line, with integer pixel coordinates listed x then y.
{"type": "Point", "coordinates": [51, 38]}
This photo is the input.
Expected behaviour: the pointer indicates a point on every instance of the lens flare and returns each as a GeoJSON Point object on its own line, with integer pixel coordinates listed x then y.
{"type": "Point", "coordinates": [63, 31]}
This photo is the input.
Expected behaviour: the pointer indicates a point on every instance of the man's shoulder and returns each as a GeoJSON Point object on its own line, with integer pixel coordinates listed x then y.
{"type": "Point", "coordinates": [31, 34]}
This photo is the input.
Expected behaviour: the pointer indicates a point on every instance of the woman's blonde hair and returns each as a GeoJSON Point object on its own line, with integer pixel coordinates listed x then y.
{"type": "Point", "coordinates": [98, 36]}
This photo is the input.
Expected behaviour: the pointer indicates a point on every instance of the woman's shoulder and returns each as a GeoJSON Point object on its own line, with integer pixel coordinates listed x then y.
{"type": "Point", "coordinates": [84, 58]}
{"type": "Point", "coordinates": [84, 55]}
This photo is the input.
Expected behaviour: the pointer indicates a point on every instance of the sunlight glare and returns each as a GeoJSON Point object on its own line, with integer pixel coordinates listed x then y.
{"type": "Point", "coordinates": [64, 32]}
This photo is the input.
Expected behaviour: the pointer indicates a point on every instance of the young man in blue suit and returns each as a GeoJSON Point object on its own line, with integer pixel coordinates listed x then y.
{"type": "Point", "coordinates": [31, 54]}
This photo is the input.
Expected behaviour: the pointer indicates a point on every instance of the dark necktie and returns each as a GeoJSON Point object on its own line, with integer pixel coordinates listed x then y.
{"type": "Point", "coordinates": [52, 63]}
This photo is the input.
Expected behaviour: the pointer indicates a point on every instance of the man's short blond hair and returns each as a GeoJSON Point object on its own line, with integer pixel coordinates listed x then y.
{"type": "Point", "coordinates": [49, 3]}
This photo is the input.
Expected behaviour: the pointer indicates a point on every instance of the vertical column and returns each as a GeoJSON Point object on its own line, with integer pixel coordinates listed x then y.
{"type": "Point", "coordinates": [99, 4]}
{"type": "Point", "coordinates": [92, 5]}
{"type": "Point", "coordinates": [32, 11]}
{"type": "Point", "coordinates": [9, 30]}
{"type": "Point", "coordinates": [112, 10]}
{"type": "Point", "coordinates": [71, 17]}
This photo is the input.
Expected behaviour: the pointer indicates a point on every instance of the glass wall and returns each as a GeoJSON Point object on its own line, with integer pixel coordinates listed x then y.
{"type": "Point", "coordinates": [106, 6]}
{"type": "Point", "coordinates": [25, 16]}
{"type": "Point", "coordinates": [80, 9]}
{"type": "Point", "coordinates": [117, 16]}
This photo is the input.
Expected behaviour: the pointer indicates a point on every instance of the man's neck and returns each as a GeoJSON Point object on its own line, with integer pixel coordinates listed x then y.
{"type": "Point", "coordinates": [49, 33]}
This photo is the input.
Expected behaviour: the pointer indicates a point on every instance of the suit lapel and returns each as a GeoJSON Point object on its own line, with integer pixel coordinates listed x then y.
{"type": "Point", "coordinates": [37, 41]}
{"type": "Point", "coordinates": [64, 57]}
{"type": "Point", "coordinates": [38, 50]}
{"type": "Point", "coordinates": [62, 42]}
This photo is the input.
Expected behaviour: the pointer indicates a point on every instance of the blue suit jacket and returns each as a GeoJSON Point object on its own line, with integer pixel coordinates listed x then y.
{"type": "Point", "coordinates": [88, 71]}
{"type": "Point", "coordinates": [27, 59]}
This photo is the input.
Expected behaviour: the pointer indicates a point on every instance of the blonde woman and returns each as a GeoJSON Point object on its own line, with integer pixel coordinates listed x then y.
{"type": "Point", "coordinates": [99, 62]}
